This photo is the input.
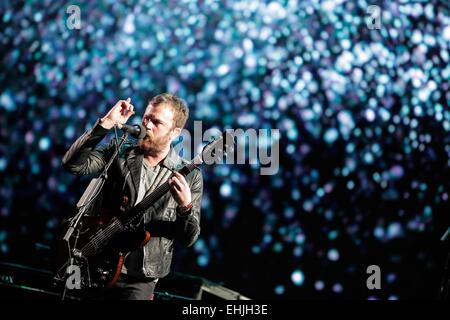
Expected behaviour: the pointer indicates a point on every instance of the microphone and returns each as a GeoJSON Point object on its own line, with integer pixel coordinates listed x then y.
{"type": "Point", "coordinates": [137, 130]}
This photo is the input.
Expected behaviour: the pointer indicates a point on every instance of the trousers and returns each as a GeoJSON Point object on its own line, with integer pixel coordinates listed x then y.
{"type": "Point", "coordinates": [127, 288]}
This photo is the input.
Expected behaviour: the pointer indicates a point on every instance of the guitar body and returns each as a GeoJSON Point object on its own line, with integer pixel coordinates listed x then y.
{"type": "Point", "coordinates": [102, 267]}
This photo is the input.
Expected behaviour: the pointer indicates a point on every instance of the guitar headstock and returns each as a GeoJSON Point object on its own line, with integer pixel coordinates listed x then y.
{"type": "Point", "coordinates": [216, 150]}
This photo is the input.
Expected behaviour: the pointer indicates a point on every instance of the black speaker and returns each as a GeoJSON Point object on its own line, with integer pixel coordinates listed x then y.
{"type": "Point", "coordinates": [196, 288]}
{"type": "Point", "coordinates": [19, 282]}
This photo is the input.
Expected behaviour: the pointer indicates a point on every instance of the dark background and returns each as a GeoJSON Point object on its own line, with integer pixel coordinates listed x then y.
{"type": "Point", "coordinates": [364, 132]}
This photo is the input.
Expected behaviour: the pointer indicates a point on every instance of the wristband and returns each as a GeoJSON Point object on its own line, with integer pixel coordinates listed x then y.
{"type": "Point", "coordinates": [185, 209]}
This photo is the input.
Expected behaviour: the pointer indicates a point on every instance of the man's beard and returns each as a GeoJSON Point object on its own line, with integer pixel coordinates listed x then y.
{"type": "Point", "coordinates": [152, 145]}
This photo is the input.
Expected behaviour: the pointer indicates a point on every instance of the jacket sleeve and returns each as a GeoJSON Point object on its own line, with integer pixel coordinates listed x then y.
{"type": "Point", "coordinates": [83, 157]}
{"type": "Point", "coordinates": [187, 226]}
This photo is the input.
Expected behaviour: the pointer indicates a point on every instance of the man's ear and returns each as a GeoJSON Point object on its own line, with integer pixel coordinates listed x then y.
{"type": "Point", "coordinates": [175, 133]}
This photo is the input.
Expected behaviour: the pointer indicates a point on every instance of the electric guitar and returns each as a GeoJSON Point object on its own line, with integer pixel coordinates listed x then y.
{"type": "Point", "coordinates": [103, 242]}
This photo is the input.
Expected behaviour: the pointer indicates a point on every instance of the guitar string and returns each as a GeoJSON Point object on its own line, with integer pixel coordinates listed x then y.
{"type": "Point", "coordinates": [114, 227]}
{"type": "Point", "coordinates": [91, 246]}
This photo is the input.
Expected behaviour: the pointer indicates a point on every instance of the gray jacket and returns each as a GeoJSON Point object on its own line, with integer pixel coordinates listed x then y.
{"type": "Point", "coordinates": [163, 220]}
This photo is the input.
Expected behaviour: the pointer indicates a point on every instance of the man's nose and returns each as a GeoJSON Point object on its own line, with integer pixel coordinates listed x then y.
{"type": "Point", "coordinates": [148, 125]}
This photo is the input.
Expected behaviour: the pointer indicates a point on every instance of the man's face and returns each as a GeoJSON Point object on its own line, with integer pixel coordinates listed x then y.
{"type": "Point", "coordinates": [159, 122]}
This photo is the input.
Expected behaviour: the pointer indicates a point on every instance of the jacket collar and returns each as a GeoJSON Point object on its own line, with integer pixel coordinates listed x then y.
{"type": "Point", "coordinates": [172, 161]}
{"type": "Point", "coordinates": [134, 164]}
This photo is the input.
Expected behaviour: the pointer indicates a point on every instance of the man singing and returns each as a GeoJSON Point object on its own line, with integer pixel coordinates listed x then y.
{"type": "Point", "coordinates": [137, 170]}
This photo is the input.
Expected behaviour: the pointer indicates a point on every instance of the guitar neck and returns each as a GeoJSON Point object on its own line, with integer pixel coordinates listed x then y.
{"type": "Point", "coordinates": [135, 213]}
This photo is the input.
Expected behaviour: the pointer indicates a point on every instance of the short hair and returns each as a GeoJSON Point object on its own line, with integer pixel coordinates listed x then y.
{"type": "Point", "coordinates": [178, 105]}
